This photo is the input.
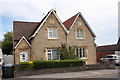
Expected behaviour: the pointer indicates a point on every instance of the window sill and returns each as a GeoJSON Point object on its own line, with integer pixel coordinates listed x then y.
{"type": "Point", "coordinates": [79, 38]}
{"type": "Point", "coordinates": [84, 58]}
{"type": "Point", "coordinates": [53, 38]}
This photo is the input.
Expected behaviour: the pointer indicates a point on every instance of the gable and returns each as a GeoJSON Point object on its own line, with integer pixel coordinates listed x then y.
{"type": "Point", "coordinates": [70, 22]}
{"type": "Point", "coordinates": [23, 42]}
{"type": "Point", "coordinates": [42, 37]}
{"type": "Point", "coordinates": [44, 20]}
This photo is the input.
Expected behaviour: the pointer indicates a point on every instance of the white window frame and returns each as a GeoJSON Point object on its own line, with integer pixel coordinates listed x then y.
{"type": "Point", "coordinates": [52, 33]}
{"type": "Point", "coordinates": [82, 52]}
{"type": "Point", "coordinates": [51, 54]}
{"type": "Point", "coordinates": [79, 34]}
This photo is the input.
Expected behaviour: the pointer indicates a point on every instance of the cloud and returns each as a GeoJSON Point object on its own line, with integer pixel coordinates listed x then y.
{"type": "Point", "coordinates": [34, 8]}
{"type": "Point", "coordinates": [102, 15]}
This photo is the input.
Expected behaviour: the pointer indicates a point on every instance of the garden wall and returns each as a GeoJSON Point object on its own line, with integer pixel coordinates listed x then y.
{"type": "Point", "coordinates": [98, 66]}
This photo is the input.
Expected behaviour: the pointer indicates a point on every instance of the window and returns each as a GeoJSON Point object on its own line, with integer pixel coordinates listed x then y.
{"type": "Point", "coordinates": [79, 34]}
{"type": "Point", "coordinates": [52, 33]}
{"type": "Point", "coordinates": [81, 52]}
{"type": "Point", "coordinates": [52, 54]}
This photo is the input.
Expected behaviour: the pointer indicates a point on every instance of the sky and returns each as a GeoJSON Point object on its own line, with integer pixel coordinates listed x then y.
{"type": "Point", "coordinates": [101, 15]}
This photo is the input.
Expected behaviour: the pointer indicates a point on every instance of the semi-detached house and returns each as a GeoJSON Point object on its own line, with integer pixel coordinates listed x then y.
{"type": "Point", "coordinates": [41, 40]}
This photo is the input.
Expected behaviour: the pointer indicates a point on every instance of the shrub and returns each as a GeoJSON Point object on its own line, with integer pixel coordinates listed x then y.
{"type": "Point", "coordinates": [67, 52]}
{"type": "Point", "coordinates": [50, 64]}
{"type": "Point", "coordinates": [26, 65]}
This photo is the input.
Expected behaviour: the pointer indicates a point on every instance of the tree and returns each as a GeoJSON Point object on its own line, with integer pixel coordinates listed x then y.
{"type": "Point", "coordinates": [7, 43]}
{"type": "Point", "coordinates": [0, 44]}
{"type": "Point", "coordinates": [67, 52]}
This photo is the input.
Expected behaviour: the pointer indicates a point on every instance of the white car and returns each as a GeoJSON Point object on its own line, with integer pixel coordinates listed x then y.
{"type": "Point", "coordinates": [110, 58]}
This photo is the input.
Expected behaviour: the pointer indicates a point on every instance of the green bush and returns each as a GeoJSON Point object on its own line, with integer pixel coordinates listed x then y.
{"type": "Point", "coordinates": [67, 52]}
{"type": "Point", "coordinates": [50, 64]}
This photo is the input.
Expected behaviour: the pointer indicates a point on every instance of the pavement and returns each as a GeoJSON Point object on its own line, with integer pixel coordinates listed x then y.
{"type": "Point", "coordinates": [80, 74]}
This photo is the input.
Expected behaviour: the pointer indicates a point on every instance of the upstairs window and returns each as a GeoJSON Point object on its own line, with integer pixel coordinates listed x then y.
{"type": "Point", "coordinates": [52, 33]}
{"type": "Point", "coordinates": [79, 34]}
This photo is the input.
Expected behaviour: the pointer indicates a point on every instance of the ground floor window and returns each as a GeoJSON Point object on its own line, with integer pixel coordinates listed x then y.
{"type": "Point", "coordinates": [81, 52]}
{"type": "Point", "coordinates": [52, 54]}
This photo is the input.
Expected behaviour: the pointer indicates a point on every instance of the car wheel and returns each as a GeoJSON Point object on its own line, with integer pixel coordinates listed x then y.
{"type": "Point", "coordinates": [101, 61]}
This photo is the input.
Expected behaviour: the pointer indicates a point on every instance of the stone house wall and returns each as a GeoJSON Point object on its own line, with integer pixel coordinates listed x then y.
{"type": "Point", "coordinates": [41, 42]}
{"type": "Point", "coordinates": [87, 41]}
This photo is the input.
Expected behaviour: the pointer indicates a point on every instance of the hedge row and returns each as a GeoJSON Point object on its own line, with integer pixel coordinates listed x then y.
{"type": "Point", "coordinates": [50, 64]}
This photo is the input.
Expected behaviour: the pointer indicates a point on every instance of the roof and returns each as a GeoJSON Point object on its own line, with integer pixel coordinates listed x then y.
{"type": "Point", "coordinates": [29, 29]}
{"type": "Point", "coordinates": [70, 22]}
{"type": "Point", "coordinates": [23, 29]}
{"type": "Point", "coordinates": [108, 48]}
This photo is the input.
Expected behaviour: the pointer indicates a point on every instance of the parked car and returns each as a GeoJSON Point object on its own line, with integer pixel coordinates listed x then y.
{"type": "Point", "coordinates": [113, 58]}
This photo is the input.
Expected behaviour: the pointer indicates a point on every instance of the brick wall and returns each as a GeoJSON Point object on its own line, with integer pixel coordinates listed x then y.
{"type": "Point", "coordinates": [102, 54]}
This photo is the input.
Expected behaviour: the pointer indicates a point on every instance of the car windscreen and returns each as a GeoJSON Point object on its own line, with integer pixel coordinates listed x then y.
{"type": "Point", "coordinates": [109, 56]}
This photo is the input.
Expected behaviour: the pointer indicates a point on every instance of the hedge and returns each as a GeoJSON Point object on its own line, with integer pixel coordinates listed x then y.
{"type": "Point", "coordinates": [26, 65]}
{"type": "Point", "coordinates": [50, 64]}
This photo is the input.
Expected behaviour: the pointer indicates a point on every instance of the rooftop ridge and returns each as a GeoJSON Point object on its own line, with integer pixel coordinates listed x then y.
{"type": "Point", "coordinates": [107, 45]}
{"type": "Point", "coordinates": [26, 22]}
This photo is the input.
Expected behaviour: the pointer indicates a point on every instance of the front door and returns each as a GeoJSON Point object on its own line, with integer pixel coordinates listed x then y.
{"type": "Point", "coordinates": [23, 56]}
